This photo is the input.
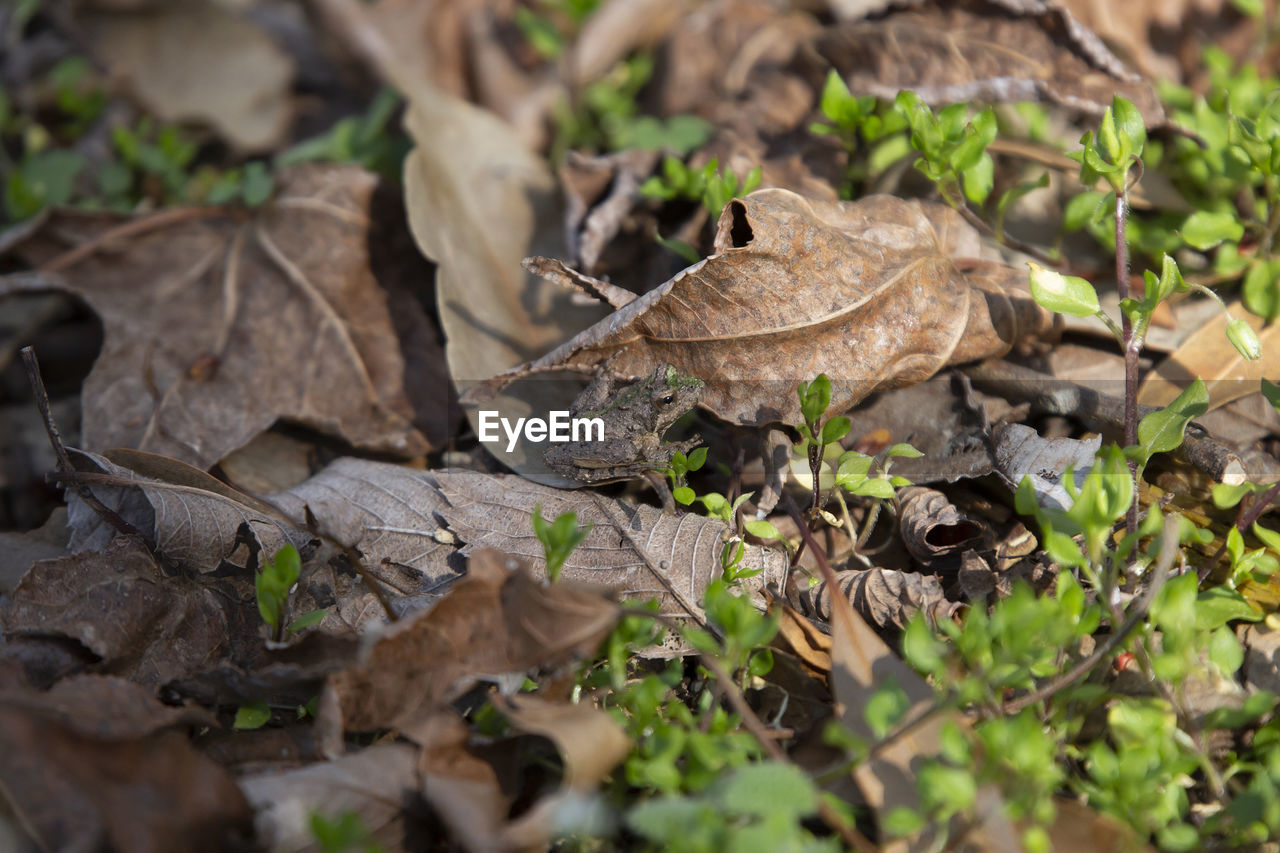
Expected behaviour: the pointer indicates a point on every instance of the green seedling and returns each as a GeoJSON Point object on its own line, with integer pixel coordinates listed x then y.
{"type": "Point", "coordinates": [273, 585]}
{"type": "Point", "coordinates": [558, 538]}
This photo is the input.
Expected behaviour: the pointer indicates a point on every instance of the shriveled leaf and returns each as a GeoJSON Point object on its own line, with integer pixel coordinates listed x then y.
{"type": "Point", "coordinates": [201, 60]}
{"type": "Point", "coordinates": [884, 597]}
{"type": "Point", "coordinates": [943, 52]}
{"type": "Point", "coordinates": [638, 550]}
{"type": "Point", "coordinates": [932, 527]}
{"type": "Point", "coordinates": [218, 326]}
{"type": "Point", "coordinates": [496, 621]}
{"type": "Point", "coordinates": [590, 741]}
{"type": "Point", "coordinates": [875, 300]}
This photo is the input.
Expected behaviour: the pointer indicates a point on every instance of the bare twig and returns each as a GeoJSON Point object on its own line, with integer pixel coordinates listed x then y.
{"type": "Point", "coordinates": [65, 465]}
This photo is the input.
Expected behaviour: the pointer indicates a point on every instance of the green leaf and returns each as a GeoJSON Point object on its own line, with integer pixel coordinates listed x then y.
{"type": "Point", "coordinates": [252, 715]}
{"type": "Point", "coordinates": [678, 247]}
{"type": "Point", "coordinates": [1129, 125]}
{"type": "Point", "coordinates": [683, 495]}
{"type": "Point", "coordinates": [762, 529]}
{"type": "Point", "coordinates": [1225, 650]}
{"type": "Point", "coordinates": [921, 648]}
{"type": "Point", "coordinates": [1218, 605]}
{"type": "Point", "coordinates": [903, 822]}
{"type": "Point", "coordinates": [886, 707]}
{"type": "Point", "coordinates": [1271, 391]}
{"type": "Point", "coordinates": [307, 620]}
{"type": "Point", "coordinates": [1065, 294]}
{"type": "Point", "coordinates": [903, 450]}
{"type": "Point", "coordinates": [1260, 294]}
{"type": "Point", "coordinates": [769, 788]}
{"type": "Point", "coordinates": [1169, 283]}
{"type": "Point", "coordinates": [1085, 209]}
{"type": "Point", "coordinates": [257, 185]}
{"type": "Point", "coordinates": [1162, 431]}
{"type": "Point", "coordinates": [697, 458]}
{"type": "Point", "coordinates": [835, 429]}
{"type": "Point", "coordinates": [1226, 496]}
{"type": "Point", "coordinates": [979, 179]}
{"type": "Point", "coordinates": [1205, 229]}
{"type": "Point", "coordinates": [838, 103]}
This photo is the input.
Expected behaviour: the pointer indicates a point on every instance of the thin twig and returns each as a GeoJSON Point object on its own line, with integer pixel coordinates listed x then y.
{"type": "Point", "coordinates": [65, 465]}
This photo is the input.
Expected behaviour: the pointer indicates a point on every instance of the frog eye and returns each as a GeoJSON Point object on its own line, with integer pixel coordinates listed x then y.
{"type": "Point", "coordinates": [667, 399]}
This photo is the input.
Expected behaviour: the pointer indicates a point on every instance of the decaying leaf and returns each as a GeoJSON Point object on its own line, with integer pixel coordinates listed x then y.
{"type": "Point", "coordinates": [637, 550]}
{"type": "Point", "coordinates": [496, 621]}
{"type": "Point", "coordinates": [217, 326]}
{"type": "Point", "coordinates": [91, 765]}
{"type": "Point", "coordinates": [1209, 355]}
{"type": "Point", "coordinates": [932, 527]}
{"type": "Point", "coordinates": [118, 605]}
{"type": "Point", "coordinates": [589, 740]}
{"type": "Point", "coordinates": [951, 51]}
{"type": "Point", "coordinates": [1021, 452]}
{"type": "Point", "coordinates": [200, 60]}
{"type": "Point", "coordinates": [374, 783]}
{"type": "Point", "coordinates": [884, 597]}
{"type": "Point", "coordinates": [868, 292]}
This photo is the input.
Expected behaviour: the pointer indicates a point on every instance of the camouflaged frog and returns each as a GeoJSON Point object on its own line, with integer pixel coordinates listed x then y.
{"type": "Point", "coordinates": [635, 417]}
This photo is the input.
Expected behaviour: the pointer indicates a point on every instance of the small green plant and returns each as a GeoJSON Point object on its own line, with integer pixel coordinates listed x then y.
{"type": "Point", "coordinates": [953, 148]}
{"type": "Point", "coordinates": [558, 538]}
{"type": "Point", "coordinates": [370, 140]}
{"type": "Point", "coordinates": [859, 122]}
{"type": "Point", "coordinates": [709, 185]}
{"type": "Point", "coordinates": [252, 715]}
{"type": "Point", "coordinates": [273, 584]}
{"type": "Point", "coordinates": [681, 467]}
{"type": "Point", "coordinates": [345, 833]}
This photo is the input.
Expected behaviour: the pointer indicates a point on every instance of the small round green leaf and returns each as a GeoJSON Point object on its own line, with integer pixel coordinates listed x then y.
{"type": "Point", "coordinates": [1205, 229]}
{"type": "Point", "coordinates": [1065, 294]}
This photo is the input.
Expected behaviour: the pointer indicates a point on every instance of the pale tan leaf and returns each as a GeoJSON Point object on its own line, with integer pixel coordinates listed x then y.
{"type": "Point", "coordinates": [1208, 355]}
{"type": "Point", "coordinates": [200, 61]}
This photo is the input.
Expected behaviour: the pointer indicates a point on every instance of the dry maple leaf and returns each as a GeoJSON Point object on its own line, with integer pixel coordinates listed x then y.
{"type": "Point", "coordinates": [869, 292]}
{"type": "Point", "coordinates": [952, 51]}
{"type": "Point", "coordinates": [217, 325]}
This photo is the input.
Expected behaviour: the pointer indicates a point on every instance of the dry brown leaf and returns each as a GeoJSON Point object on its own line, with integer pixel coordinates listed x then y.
{"type": "Point", "coordinates": [198, 60]}
{"type": "Point", "coordinates": [90, 766]}
{"type": "Point", "coordinates": [639, 550]}
{"type": "Point", "coordinates": [118, 605]}
{"type": "Point", "coordinates": [1008, 50]}
{"type": "Point", "coordinates": [933, 528]}
{"type": "Point", "coordinates": [462, 787]}
{"type": "Point", "coordinates": [868, 292]}
{"type": "Point", "coordinates": [590, 741]}
{"type": "Point", "coordinates": [1208, 354]}
{"type": "Point", "coordinates": [1134, 26]}
{"type": "Point", "coordinates": [884, 597]}
{"type": "Point", "coordinates": [373, 783]}
{"type": "Point", "coordinates": [496, 621]}
{"type": "Point", "coordinates": [218, 326]}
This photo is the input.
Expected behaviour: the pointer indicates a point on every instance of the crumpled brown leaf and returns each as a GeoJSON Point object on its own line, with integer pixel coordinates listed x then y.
{"type": "Point", "coordinates": [951, 51]}
{"type": "Point", "coordinates": [92, 765]}
{"type": "Point", "coordinates": [868, 292]}
{"type": "Point", "coordinates": [933, 528]}
{"type": "Point", "coordinates": [638, 550]}
{"type": "Point", "coordinates": [495, 621]}
{"type": "Point", "coordinates": [884, 597]}
{"type": "Point", "coordinates": [118, 605]}
{"type": "Point", "coordinates": [199, 60]}
{"type": "Point", "coordinates": [217, 326]}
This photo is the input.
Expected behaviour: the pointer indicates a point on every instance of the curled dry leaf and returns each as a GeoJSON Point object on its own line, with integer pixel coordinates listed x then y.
{"type": "Point", "coordinates": [884, 597]}
{"type": "Point", "coordinates": [638, 550]}
{"type": "Point", "coordinates": [1021, 452]}
{"type": "Point", "coordinates": [91, 765]}
{"type": "Point", "coordinates": [200, 60]}
{"type": "Point", "coordinates": [495, 621]}
{"type": "Point", "coordinates": [217, 326]}
{"type": "Point", "coordinates": [590, 741]}
{"type": "Point", "coordinates": [868, 292]}
{"type": "Point", "coordinates": [932, 527]}
{"type": "Point", "coordinates": [1007, 50]}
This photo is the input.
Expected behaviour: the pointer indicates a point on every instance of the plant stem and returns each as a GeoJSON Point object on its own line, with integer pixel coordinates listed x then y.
{"type": "Point", "coordinates": [1132, 348]}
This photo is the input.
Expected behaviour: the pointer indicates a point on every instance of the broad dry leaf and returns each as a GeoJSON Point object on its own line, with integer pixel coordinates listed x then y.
{"type": "Point", "coordinates": [638, 550]}
{"type": "Point", "coordinates": [219, 325]}
{"type": "Point", "coordinates": [869, 292]}
{"type": "Point", "coordinates": [496, 621]}
{"type": "Point", "coordinates": [199, 60]}
{"type": "Point", "coordinates": [1209, 355]}
{"type": "Point", "coordinates": [1009, 50]}
{"type": "Point", "coordinates": [90, 766]}
{"type": "Point", "coordinates": [591, 742]}
{"type": "Point", "coordinates": [374, 783]}
{"type": "Point", "coordinates": [140, 624]}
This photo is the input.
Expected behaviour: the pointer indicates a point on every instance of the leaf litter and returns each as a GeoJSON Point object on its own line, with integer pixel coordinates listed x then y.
{"type": "Point", "coordinates": [229, 328]}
